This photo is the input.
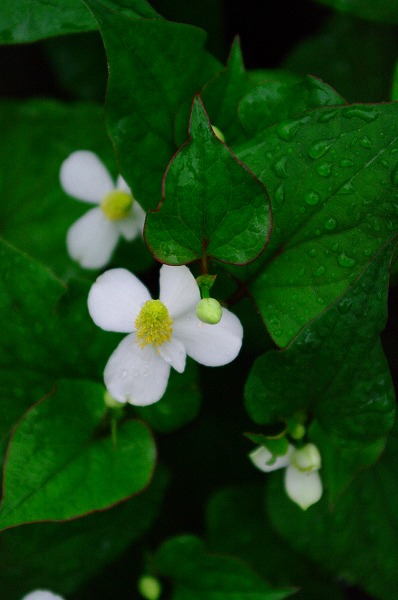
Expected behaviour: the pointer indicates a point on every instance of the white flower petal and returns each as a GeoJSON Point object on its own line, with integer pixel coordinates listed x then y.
{"type": "Point", "coordinates": [115, 300]}
{"type": "Point", "coordinates": [304, 488]}
{"type": "Point", "coordinates": [121, 184]}
{"type": "Point", "coordinates": [133, 225]}
{"type": "Point", "coordinates": [136, 375]}
{"type": "Point", "coordinates": [261, 456]}
{"type": "Point", "coordinates": [178, 290]}
{"type": "Point", "coordinates": [83, 176]}
{"type": "Point", "coordinates": [42, 595]}
{"type": "Point", "coordinates": [210, 345]}
{"type": "Point", "coordinates": [92, 239]}
{"type": "Point", "coordinates": [174, 353]}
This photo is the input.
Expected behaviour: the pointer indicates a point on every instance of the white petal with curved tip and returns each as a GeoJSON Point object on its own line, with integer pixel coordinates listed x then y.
{"type": "Point", "coordinates": [92, 239]}
{"type": "Point", "coordinates": [174, 353]}
{"type": "Point", "coordinates": [133, 225]}
{"type": "Point", "coordinates": [42, 595]}
{"type": "Point", "coordinates": [84, 177]}
{"type": "Point", "coordinates": [261, 457]}
{"type": "Point", "coordinates": [115, 300]}
{"type": "Point", "coordinates": [136, 375]}
{"type": "Point", "coordinates": [210, 345]}
{"type": "Point", "coordinates": [303, 487]}
{"type": "Point", "coordinates": [178, 290]}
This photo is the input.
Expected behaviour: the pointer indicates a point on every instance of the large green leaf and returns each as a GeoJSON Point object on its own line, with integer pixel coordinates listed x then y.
{"type": "Point", "coordinates": [154, 67]}
{"type": "Point", "coordinates": [202, 576]}
{"type": "Point", "coordinates": [332, 179]}
{"type": "Point", "coordinates": [31, 20]}
{"type": "Point", "coordinates": [385, 11]}
{"type": "Point", "coordinates": [35, 213]}
{"type": "Point", "coordinates": [273, 101]}
{"type": "Point", "coordinates": [237, 525]}
{"type": "Point", "coordinates": [213, 206]}
{"type": "Point", "coordinates": [335, 367]}
{"type": "Point", "coordinates": [60, 556]}
{"type": "Point", "coordinates": [357, 537]}
{"type": "Point", "coordinates": [59, 467]}
{"type": "Point", "coordinates": [46, 325]}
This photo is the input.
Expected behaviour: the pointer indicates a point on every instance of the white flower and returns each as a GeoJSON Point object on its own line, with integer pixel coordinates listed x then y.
{"type": "Point", "coordinates": [162, 332]}
{"type": "Point", "coordinates": [93, 238]}
{"type": "Point", "coordinates": [42, 595]}
{"type": "Point", "coordinates": [303, 484]}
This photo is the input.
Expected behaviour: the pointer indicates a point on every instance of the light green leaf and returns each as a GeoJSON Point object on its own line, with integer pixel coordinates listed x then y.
{"type": "Point", "coordinates": [58, 466]}
{"type": "Point", "coordinates": [335, 368]}
{"type": "Point", "coordinates": [332, 179]}
{"type": "Point", "coordinates": [213, 206]}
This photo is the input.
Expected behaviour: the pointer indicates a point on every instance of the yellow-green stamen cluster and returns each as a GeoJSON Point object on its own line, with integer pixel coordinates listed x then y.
{"type": "Point", "coordinates": [153, 324]}
{"type": "Point", "coordinates": [117, 205]}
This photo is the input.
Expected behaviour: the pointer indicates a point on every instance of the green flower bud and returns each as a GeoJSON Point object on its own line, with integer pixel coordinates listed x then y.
{"type": "Point", "coordinates": [218, 133]}
{"type": "Point", "coordinates": [149, 587]}
{"type": "Point", "coordinates": [209, 311]}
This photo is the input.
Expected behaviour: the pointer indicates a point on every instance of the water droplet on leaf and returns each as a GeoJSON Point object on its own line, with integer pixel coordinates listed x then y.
{"type": "Point", "coordinates": [319, 149]}
{"type": "Point", "coordinates": [324, 169]}
{"type": "Point", "coordinates": [345, 261]}
{"type": "Point", "coordinates": [311, 198]}
{"type": "Point", "coordinates": [330, 224]}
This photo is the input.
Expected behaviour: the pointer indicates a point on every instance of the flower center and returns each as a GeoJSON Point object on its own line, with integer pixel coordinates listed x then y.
{"type": "Point", "coordinates": [153, 324]}
{"type": "Point", "coordinates": [116, 205]}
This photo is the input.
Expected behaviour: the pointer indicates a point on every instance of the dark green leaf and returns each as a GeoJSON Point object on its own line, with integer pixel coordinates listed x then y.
{"type": "Point", "coordinates": [274, 101]}
{"type": "Point", "coordinates": [213, 206]}
{"type": "Point", "coordinates": [154, 67]}
{"type": "Point", "coordinates": [60, 556]}
{"type": "Point", "coordinates": [202, 576]}
{"type": "Point", "coordinates": [179, 405]}
{"type": "Point", "coordinates": [332, 178]}
{"type": "Point", "coordinates": [46, 325]}
{"type": "Point", "coordinates": [357, 539]}
{"type": "Point", "coordinates": [222, 94]}
{"type": "Point", "coordinates": [57, 465]}
{"type": "Point", "coordinates": [237, 525]}
{"type": "Point", "coordinates": [385, 11]}
{"type": "Point", "coordinates": [335, 367]}
{"type": "Point", "coordinates": [355, 57]}
{"type": "Point", "coordinates": [30, 20]}
{"type": "Point", "coordinates": [35, 213]}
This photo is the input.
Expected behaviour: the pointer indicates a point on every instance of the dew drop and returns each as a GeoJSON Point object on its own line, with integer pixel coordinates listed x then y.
{"type": "Point", "coordinates": [280, 194]}
{"type": "Point", "coordinates": [347, 188]}
{"type": "Point", "coordinates": [324, 169]}
{"type": "Point", "coordinates": [311, 198]}
{"type": "Point", "coordinates": [330, 224]}
{"type": "Point", "coordinates": [365, 113]}
{"type": "Point", "coordinates": [345, 261]}
{"type": "Point", "coordinates": [319, 149]}
{"type": "Point", "coordinates": [287, 131]}
{"type": "Point", "coordinates": [366, 142]}
{"type": "Point", "coordinates": [346, 162]}
{"type": "Point", "coordinates": [279, 167]}
{"type": "Point", "coordinates": [312, 252]}
{"type": "Point", "coordinates": [327, 116]}
{"type": "Point", "coordinates": [319, 271]}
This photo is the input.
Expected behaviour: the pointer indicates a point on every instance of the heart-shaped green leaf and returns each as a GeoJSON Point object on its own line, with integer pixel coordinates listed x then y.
{"type": "Point", "coordinates": [213, 205]}
{"type": "Point", "coordinates": [59, 467]}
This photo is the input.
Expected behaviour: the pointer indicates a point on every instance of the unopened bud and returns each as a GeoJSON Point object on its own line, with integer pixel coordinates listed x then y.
{"type": "Point", "coordinates": [209, 310]}
{"type": "Point", "coordinates": [307, 458]}
{"type": "Point", "coordinates": [149, 587]}
{"type": "Point", "coordinates": [218, 133]}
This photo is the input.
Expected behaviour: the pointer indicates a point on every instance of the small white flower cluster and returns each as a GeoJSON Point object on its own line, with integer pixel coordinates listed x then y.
{"type": "Point", "coordinates": [303, 484]}
{"type": "Point", "coordinates": [162, 332]}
